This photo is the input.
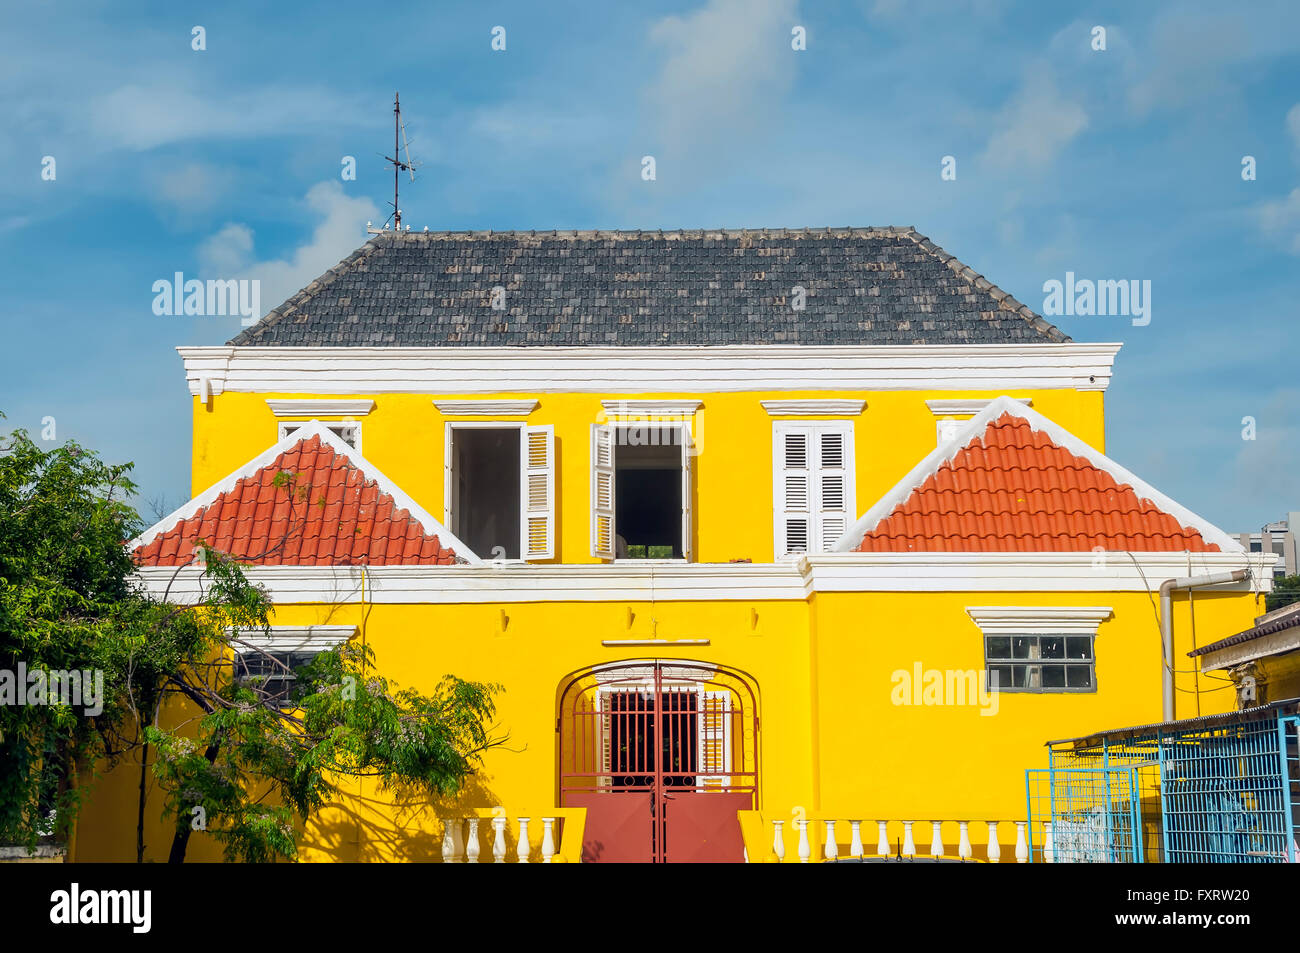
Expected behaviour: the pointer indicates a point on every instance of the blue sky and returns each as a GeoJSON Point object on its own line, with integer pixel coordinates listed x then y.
{"type": "Point", "coordinates": [1123, 163]}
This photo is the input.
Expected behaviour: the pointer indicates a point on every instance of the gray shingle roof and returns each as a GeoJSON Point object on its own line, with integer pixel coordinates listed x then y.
{"type": "Point", "coordinates": [624, 288]}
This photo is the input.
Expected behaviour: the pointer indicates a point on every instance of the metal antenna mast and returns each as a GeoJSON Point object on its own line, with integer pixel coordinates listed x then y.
{"type": "Point", "coordinates": [402, 164]}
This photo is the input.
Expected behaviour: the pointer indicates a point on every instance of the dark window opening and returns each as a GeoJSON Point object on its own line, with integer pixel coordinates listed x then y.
{"type": "Point", "coordinates": [1039, 663]}
{"type": "Point", "coordinates": [648, 493]}
{"type": "Point", "coordinates": [485, 490]}
{"type": "Point", "coordinates": [274, 674]}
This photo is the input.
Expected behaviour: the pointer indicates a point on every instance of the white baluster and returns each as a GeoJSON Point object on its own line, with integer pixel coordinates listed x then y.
{"type": "Point", "coordinates": [778, 840]}
{"type": "Point", "coordinates": [1022, 844]}
{"type": "Point", "coordinates": [805, 848]}
{"type": "Point", "coordinates": [1049, 849]}
{"type": "Point", "coordinates": [499, 840]}
{"type": "Point", "coordinates": [963, 847]}
{"type": "Point", "coordinates": [882, 845]}
{"type": "Point", "coordinates": [450, 852]}
{"type": "Point", "coordinates": [548, 839]}
{"type": "Point", "coordinates": [855, 846]}
{"type": "Point", "coordinates": [522, 848]}
{"type": "Point", "coordinates": [832, 851]}
{"type": "Point", "coordinates": [936, 842]}
{"type": "Point", "coordinates": [994, 849]}
{"type": "Point", "coordinates": [471, 847]}
{"type": "Point", "coordinates": [909, 848]}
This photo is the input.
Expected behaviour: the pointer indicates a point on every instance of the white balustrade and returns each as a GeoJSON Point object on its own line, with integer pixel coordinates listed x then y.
{"type": "Point", "coordinates": [907, 848]}
{"type": "Point", "coordinates": [457, 848]}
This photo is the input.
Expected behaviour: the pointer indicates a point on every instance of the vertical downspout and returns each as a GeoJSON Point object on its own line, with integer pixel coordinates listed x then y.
{"type": "Point", "coordinates": [1167, 626]}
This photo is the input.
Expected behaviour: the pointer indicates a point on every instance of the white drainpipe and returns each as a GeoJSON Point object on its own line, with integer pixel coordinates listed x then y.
{"type": "Point", "coordinates": [1167, 624]}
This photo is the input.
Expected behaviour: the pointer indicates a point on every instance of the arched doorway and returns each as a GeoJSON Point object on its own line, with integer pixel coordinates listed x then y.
{"type": "Point", "coordinates": [662, 754]}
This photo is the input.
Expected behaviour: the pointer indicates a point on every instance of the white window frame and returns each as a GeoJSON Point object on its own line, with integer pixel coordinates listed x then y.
{"type": "Point", "coordinates": [686, 442]}
{"type": "Point", "coordinates": [525, 473]}
{"type": "Point", "coordinates": [1038, 621]}
{"type": "Point", "coordinates": [287, 427]}
{"type": "Point", "coordinates": [816, 513]}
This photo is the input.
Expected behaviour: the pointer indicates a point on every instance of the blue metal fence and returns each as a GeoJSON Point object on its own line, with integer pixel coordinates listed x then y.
{"type": "Point", "coordinates": [1223, 788]}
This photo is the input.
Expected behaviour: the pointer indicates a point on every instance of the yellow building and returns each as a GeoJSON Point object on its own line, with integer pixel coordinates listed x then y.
{"type": "Point", "coordinates": [811, 523]}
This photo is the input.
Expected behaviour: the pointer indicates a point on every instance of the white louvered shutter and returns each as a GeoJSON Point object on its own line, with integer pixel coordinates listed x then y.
{"type": "Point", "coordinates": [715, 740]}
{"type": "Point", "coordinates": [537, 493]}
{"type": "Point", "coordinates": [813, 491]}
{"type": "Point", "coordinates": [602, 491]}
{"type": "Point", "coordinates": [793, 490]}
{"type": "Point", "coordinates": [688, 456]}
{"type": "Point", "coordinates": [832, 486]}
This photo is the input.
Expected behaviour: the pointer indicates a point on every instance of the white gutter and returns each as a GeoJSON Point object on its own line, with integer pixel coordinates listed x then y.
{"type": "Point", "coordinates": [1167, 625]}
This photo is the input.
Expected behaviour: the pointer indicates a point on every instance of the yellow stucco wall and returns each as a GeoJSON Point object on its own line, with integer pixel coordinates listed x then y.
{"type": "Point", "coordinates": [832, 739]}
{"type": "Point", "coordinates": [404, 436]}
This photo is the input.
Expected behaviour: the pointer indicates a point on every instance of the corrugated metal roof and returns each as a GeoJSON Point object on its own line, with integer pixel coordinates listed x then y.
{"type": "Point", "coordinates": [1279, 624]}
{"type": "Point", "coordinates": [1286, 706]}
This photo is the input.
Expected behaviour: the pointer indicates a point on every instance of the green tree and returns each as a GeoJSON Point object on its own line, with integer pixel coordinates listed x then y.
{"type": "Point", "coordinates": [1286, 591]}
{"type": "Point", "coordinates": [250, 764]}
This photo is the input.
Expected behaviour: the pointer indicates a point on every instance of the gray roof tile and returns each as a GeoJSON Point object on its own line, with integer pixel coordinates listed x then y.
{"type": "Point", "coordinates": [689, 287]}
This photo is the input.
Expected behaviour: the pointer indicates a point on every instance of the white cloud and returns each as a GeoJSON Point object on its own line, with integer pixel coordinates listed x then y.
{"type": "Point", "coordinates": [729, 65]}
{"type": "Point", "coordinates": [1280, 218]}
{"type": "Point", "coordinates": [230, 252]}
{"type": "Point", "coordinates": [145, 117]}
{"type": "Point", "coordinates": [1033, 128]}
{"type": "Point", "coordinates": [1265, 467]}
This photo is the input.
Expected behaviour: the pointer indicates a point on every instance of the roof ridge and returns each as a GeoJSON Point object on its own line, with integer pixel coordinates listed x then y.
{"type": "Point", "coordinates": [1004, 299]}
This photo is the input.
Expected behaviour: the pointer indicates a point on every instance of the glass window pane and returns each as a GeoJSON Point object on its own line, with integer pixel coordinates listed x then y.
{"type": "Point", "coordinates": [1053, 676]}
{"type": "Point", "coordinates": [1053, 646]}
{"type": "Point", "coordinates": [1020, 676]}
{"type": "Point", "coordinates": [999, 677]}
{"type": "Point", "coordinates": [1079, 676]}
{"type": "Point", "coordinates": [998, 647]}
{"type": "Point", "coordinates": [1022, 645]}
{"type": "Point", "coordinates": [1078, 646]}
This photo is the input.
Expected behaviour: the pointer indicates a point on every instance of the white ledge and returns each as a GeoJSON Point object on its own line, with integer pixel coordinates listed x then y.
{"type": "Point", "coordinates": [814, 408]}
{"type": "Point", "coordinates": [295, 638]}
{"type": "Point", "coordinates": [1018, 620]}
{"type": "Point", "coordinates": [646, 370]}
{"type": "Point", "coordinates": [650, 408]}
{"type": "Point", "coordinates": [966, 408]}
{"type": "Point", "coordinates": [319, 407]}
{"type": "Point", "coordinates": [486, 408]}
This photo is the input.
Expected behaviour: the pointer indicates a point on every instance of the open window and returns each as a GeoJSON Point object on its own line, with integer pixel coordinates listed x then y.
{"type": "Point", "coordinates": [641, 491]}
{"type": "Point", "coordinates": [500, 489]}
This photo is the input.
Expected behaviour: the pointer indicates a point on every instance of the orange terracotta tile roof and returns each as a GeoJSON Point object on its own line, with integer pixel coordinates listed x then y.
{"type": "Point", "coordinates": [328, 514]}
{"type": "Point", "coordinates": [1013, 488]}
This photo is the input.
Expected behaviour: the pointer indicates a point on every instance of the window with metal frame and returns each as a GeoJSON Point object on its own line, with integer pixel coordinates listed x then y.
{"type": "Point", "coordinates": [1040, 663]}
{"type": "Point", "coordinates": [273, 672]}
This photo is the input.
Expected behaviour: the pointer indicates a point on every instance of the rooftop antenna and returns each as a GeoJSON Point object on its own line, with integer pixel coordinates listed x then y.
{"type": "Point", "coordinates": [400, 160]}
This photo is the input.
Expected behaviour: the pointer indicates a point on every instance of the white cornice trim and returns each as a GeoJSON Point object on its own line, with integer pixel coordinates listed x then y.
{"type": "Point", "coordinates": [1012, 620]}
{"type": "Point", "coordinates": [974, 428]}
{"type": "Point", "coordinates": [295, 638]}
{"type": "Point", "coordinates": [317, 407]}
{"type": "Point", "coordinates": [814, 408]}
{"type": "Point", "coordinates": [632, 370]}
{"type": "Point", "coordinates": [486, 584]}
{"type": "Point", "coordinates": [486, 408]}
{"type": "Point", "coordinates": [965, 408]}
{"type": "Point", "coordinates": [650, 408]}
{"type": "Point", "coordinates": [313, 428]}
